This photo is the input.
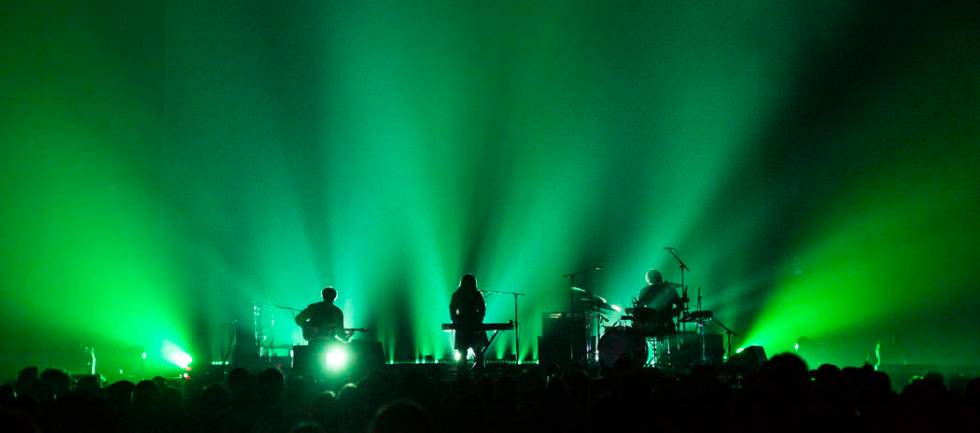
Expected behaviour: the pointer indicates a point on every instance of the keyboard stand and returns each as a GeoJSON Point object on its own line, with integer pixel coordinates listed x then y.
{"type": "Point", "coordinates": [490, 342]}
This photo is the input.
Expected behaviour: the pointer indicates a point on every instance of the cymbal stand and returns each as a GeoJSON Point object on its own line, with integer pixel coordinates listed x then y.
{"type": "Point", "coordinates": [593, 345]}
{"type": "Point", "coordinates": [700, 325]}
{"type": "Point", "coordinates": [571, 306]}
{"type": "Point", "coordinates": [270, 346]}
{"type": "Point", "coordinates": [257, 326]}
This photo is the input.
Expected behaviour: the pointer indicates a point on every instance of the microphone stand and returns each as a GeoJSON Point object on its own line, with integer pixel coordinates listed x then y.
{"type": "Point", "coordinates": [517, 331]}
{"type": "Point", "coordinates": [730, 334]}
{"type": "Point", "coordinates": [701, 329]}
{"type": "Point", "coordinates": [683, 267]}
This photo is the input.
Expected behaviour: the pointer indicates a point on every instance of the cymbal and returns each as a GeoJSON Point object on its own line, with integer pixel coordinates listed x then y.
{"type": "Point", "coordinates": [597, 302]}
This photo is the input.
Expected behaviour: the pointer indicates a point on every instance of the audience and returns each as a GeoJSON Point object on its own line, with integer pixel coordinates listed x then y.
{"type": "Point", "coordinates": [782, 395]}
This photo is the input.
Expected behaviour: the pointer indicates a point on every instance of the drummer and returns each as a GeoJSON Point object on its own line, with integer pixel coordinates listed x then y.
{"type": "Point", "coordinates": [658, 294]}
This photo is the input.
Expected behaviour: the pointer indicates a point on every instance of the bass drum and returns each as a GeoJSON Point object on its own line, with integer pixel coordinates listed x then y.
{"type": "Point", "coordinates": [622, 343]}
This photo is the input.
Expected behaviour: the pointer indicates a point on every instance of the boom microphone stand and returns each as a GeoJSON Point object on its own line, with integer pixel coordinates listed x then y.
{"type": "Point", "coordinates": [683, 267]}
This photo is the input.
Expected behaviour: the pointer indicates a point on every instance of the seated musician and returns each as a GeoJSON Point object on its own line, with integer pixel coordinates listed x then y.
{"type": "Point", "coordinates": [659, 295]}
{"type": "Point", "coordinates": [322, 321]}
{"type": "Point", "coordinates": [467, 309]}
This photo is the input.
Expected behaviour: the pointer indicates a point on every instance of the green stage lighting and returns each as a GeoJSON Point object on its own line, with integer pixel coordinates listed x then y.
{"type": "Point", "coordinates": [175, 355]}
{"type": "Point", "coordinates": [336, 358]}
{"type": "Point", "coordinates": [387, 150]}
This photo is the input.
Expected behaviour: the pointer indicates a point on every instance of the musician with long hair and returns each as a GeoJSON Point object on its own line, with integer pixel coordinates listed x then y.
{"type": "Point", "coordinates": [467, 310]}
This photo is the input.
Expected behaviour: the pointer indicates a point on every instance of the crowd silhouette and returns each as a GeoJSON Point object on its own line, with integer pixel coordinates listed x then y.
{"type": "Point", "coordinates": [781, 395]}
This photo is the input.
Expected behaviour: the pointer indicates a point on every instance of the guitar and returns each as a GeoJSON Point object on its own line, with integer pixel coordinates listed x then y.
{"type": "Point", "coordinates": [312, 332]}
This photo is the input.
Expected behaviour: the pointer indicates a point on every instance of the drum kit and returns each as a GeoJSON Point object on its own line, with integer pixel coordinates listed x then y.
{"type": "Point", "coordinates": [652, 337]}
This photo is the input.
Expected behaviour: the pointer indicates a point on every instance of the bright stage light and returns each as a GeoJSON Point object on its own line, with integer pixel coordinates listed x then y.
{"type": "Point", "coordinates": [458, 356]}
{"type": "Point", "coordinates": [336, 358]}
{"type": "Point", "coordinates": [175, 355]}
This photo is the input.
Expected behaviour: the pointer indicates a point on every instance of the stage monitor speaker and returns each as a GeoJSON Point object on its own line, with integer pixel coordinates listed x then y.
{"type": "Point", "coordinates": [246, 350]}
{"type": "Point", "coordinates": [304, 360]}
{"type": "Point", "coordinates": [552, 352]}
{"type": "Point", "coordinates": [562, 325]}
{"type": "Point", "coordinates": [563, 338]}
{"type": "Point", "coordinates": [364, 357]}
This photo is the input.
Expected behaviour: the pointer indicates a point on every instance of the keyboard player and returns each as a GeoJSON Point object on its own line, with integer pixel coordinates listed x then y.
{"type": "Point", "coordinates": [466, 310]}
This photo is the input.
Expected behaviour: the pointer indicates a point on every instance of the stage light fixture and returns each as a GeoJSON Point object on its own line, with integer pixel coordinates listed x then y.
{"type": "Point", "coordinates": [336, 358]}
{"type": "Point", "coordinates": [175, 355]}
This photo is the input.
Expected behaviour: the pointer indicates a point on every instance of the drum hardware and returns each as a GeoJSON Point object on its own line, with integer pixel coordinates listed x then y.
{"type": "Point", "coordinates": [683, 267]}
{"type": "Point", "coordinates": [700, 318]}
{"type": "Point", "coordinates": [266, 340]}
{"type": "Point", "coordinates": [571, 301]}
{"type": "Point", "coordinates": [595, 305]}
{"type": "Point", "coordinates": [665, 330]}
{"type": "Point", "coordinates": [662, 333]}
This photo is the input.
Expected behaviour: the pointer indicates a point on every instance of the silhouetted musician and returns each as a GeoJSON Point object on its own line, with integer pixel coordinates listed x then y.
{"type": "Point", "coordinates": [658, 294]}
{"type": "Point", "coordinates": [322, 320]}
{"type": "Point", "coordinates": [466, 310]}
{"type": "Point", "coordinates": [662, 297]}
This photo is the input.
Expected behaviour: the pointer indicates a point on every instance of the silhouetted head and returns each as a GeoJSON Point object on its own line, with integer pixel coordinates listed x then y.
{"type": "Point", "coordinates": [654, 277]}
{"type": "Point", "coordinates": [401, 416]}
{"type": "Point", "coordinates": [238, 381]}
{"type": "Point", "coordinates": [785, 374]}
{"type": "Point", "coordinates": [26, 380]}
{"type": "Point", "coordinates": [57, 379]}
{"type": "Point", "coordinates": [467, 282]}
{"type": "Point", "coordinates": [329, 294]}
{"type": "Point", "coordinates": [271, 384]}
